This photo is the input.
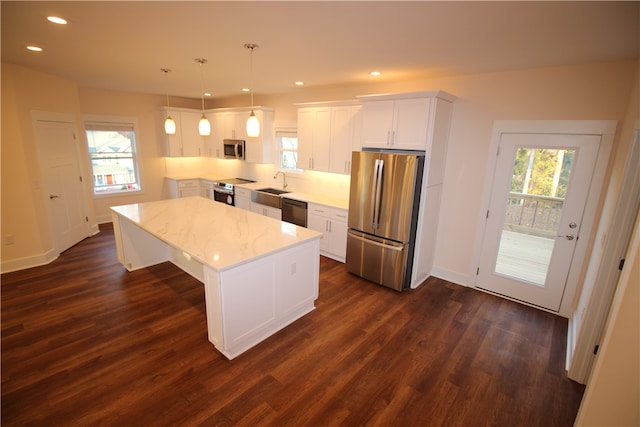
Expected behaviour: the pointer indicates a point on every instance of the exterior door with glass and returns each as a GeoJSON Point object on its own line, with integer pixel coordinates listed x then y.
{"type": "Point", "coordinates": [540, 188]}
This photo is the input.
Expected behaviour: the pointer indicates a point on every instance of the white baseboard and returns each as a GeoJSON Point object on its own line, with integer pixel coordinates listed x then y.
{"type": "Point", "coordinates": [103, 219]}
{"type": "Point", "coordinates": [28, 262]}
{"type": "Point", "coordinates": [453, 277]}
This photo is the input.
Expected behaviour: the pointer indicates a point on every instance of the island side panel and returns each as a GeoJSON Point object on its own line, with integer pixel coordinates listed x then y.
{"type": "Point", "coordinates": [137, 248]}
{"type": "Point", "coordinates": [213, 307]}
{"type": "Point", "coordinates": [251, 302]}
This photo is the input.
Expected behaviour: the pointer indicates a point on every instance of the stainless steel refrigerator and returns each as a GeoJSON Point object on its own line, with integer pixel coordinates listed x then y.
{"type": "Point", "coordinates": [383, 214]}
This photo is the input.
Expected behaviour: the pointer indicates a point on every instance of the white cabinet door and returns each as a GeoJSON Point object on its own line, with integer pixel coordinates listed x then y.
{"type": "Point", "coordinates": [399, 124]}
{"type": "Point", "coordinates": [314, 138]}
{"type": "Point", "coordinates": [192, 142]}
{"type": "Point", "coordinates": [243, 198]}
{"type": "Point", "coordinates": [377, 123]}
{"type": "Point", "coordinates": [338, 241]}
{"type": "Point", "coordinates": [173, 143]}
{"type": "Point", "coordinates": [319, 223]}
{"type": "Point", "coordinates": [344, 137]}
{"type": "Point", "coordinates": [259, 149]}
{"type": "Point", "coordinates": [189, 187]}
{"type": "Point", "coordinates": [410, 123]}
{"type": "Point", "coordinates": [213, 143]}
{"type": "Point", "coordinates": [266, 210]}
{"type": "Point", "coordinates": [332, 223]}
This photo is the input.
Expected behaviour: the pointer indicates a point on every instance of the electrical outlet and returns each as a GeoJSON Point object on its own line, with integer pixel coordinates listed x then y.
{"type": "Point", "coordinates": [8, 239]}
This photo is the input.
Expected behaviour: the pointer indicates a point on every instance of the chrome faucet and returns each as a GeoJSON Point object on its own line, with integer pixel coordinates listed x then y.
{"type": "Point", "coordinates": [284, 179]}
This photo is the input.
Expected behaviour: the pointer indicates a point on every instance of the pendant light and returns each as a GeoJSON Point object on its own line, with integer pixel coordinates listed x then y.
{"type": "Point", "coordinates": [169, 123]}
{"type": "Point", "coordinates": [253, 125]}
{"type": "Point", "coordinates": [204, 127]}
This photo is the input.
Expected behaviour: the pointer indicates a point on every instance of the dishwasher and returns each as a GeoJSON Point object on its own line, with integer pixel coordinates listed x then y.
{"type": "Point", "coordinates": [294, 211]}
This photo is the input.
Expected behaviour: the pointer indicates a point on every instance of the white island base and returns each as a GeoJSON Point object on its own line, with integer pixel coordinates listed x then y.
{"type": "Point", "coordinates": [259, 274]}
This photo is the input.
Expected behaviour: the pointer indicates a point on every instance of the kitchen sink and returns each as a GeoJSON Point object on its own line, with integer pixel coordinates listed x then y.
{"type": "Point", "coordinates": [273, 191]}
{"type": "Point", "coordinates": [268, 196]}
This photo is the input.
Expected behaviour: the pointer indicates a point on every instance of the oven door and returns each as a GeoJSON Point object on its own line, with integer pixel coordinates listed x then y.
{"type": "Point", "coordinates": [223, 195]}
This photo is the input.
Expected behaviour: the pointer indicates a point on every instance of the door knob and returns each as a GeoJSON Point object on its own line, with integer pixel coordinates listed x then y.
{"type": "Point", "coordinates": [569, 237]}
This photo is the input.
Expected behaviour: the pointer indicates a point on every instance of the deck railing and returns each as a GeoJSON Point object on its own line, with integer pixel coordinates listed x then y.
{"type": "Point", "coordinates": [534, 215]}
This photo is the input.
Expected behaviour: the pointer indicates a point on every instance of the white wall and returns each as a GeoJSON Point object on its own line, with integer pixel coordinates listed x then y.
{"type": "Point", "coordinates": [594, 91]}
{"type": "Point", "coordinates": [612, 396]}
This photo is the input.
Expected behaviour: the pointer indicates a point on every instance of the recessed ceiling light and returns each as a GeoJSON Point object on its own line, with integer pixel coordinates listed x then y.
{"type": "Point", "coordinates": [207, 94]}
{"type": "Point", "coordinates": [246, 89]}
{"type": "Point", "coordinates": [34, 48]}
{"type": "Point", "coordinates": [375, 73]}
{"type": "Point", "coordinates": [299, 83]}
{"type": "Point", "coordinates": [57, 20]}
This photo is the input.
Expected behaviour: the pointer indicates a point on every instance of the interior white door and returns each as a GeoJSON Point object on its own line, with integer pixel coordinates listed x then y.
{"type": "Point", "coordinates": [62, 182]}
{"type": "Point", "coordinates": [540, 188]}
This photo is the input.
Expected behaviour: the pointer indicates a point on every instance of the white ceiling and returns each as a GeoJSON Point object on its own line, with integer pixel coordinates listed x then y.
{"type": "Point", "coordinates": [123, 45]}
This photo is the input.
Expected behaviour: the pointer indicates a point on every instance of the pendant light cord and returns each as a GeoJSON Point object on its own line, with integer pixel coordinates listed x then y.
{"type": "Point", "coordinates": [166, 72]}
{"type": "Point", "coordinates": [251, 74]}
{"type": "Point", "coordinates": [201, 61]}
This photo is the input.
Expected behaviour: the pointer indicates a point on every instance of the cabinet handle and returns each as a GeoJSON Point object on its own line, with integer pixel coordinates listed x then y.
{"type": "Point", "coordinates": [388, 135]}
{"type": "Point", "coordinates": [329, 226]}
{"type": "Point", "coordinates": [393, 137]}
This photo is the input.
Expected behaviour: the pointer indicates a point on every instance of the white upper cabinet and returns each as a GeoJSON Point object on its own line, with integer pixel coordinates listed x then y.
{"type": "Point", "coordinates": [314, 131]}
{"type": "Point", "coordinates": [186, 142]}
{"type": "Point", "coordinates": [192, 142]}
{"type": "Point", "coordinates": [345, 137]}
{"type": "Point", "coordinates": [400, 121]}
{"type": "Point", "coordinates": [327, 133]}
{"type": "Point", "coordinates": [259, 149]}
{"type": "Point", "coordinates": [226, 123]}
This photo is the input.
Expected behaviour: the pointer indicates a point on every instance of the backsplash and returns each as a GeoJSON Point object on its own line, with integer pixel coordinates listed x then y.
{"type": "Point", "coordinates": [328, 184]}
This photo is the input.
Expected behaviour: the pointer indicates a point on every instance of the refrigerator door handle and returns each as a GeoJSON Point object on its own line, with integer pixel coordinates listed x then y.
{"type": "Point", "coordinates": [377, 199]}
{"type": "Point", "coordinates": [373, 242]}
{"type": "Point", "coordinates": [374, 184]}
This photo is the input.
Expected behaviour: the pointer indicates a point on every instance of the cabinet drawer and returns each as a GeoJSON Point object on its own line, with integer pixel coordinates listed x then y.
{"type": "Point", "coordinates": [242, 192]}
{"type": "Point", "coordinates": [320, 210]}
{"type": "Point", "coordinates": [188, 183]}
{"type": "Point", "coordinates": [339, 215]}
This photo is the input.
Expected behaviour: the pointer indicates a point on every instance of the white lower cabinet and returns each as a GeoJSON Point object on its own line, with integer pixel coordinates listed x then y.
{"type": "Point", "coordinates": [207, 189]}
{"type": "Point", "coordinates": [184, 188]}
{"type": "Point", "coordinates": [243, 198]}
{"type": "Point", "coordinates": [266, 210]}
{"type": "Point", "coordinates": [252, 301]}
{"type": "Point", "coordinates": [332, 223]}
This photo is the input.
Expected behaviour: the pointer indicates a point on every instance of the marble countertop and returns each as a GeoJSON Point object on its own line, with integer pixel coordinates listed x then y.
{"type": "Point", "coordinates": [213, 233]}
{"type": "Point", "coordinates": [321, 199]}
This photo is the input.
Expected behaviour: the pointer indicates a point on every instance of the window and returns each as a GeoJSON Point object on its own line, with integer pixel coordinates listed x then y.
{"type": "Point", "coordinates": [112, 150]}
{"type": "Point", "coordinates": [287, 142]}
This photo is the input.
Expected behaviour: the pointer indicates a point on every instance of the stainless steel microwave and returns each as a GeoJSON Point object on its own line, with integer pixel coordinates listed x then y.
{"type": "Point", "coordinates": [234, 149]}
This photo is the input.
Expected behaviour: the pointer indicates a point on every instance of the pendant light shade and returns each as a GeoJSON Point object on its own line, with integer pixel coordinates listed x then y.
{"type": "Point", "coordinates": [204, 126]}
{"type": "Point", "coordinates": [169, 123]}
{"type": "Point", "coordinates": [169, 126]}
{"type": "Point", "coordinates": [253, 124]}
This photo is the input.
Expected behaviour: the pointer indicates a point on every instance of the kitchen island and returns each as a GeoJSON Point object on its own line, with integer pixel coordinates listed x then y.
{"type": "Point", "coordinates": [259, 274]}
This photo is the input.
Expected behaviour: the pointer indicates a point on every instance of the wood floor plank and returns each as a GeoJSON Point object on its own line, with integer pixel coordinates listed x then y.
{"type": "Point", "coordinates": [84, 342]}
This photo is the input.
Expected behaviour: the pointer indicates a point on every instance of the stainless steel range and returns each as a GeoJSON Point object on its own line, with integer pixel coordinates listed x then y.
{"type": "Point", "coordinates": [224, 192]}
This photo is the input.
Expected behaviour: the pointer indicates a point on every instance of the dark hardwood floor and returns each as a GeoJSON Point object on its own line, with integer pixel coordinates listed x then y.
{"type": "Point", "coordinates": [86, 343]}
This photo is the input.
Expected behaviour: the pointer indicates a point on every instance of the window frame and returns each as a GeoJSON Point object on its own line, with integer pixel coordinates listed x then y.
{"type": "Point", "coordinates": [114, 123]}
{"type": "Point", "coordinates": [286, 132]}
